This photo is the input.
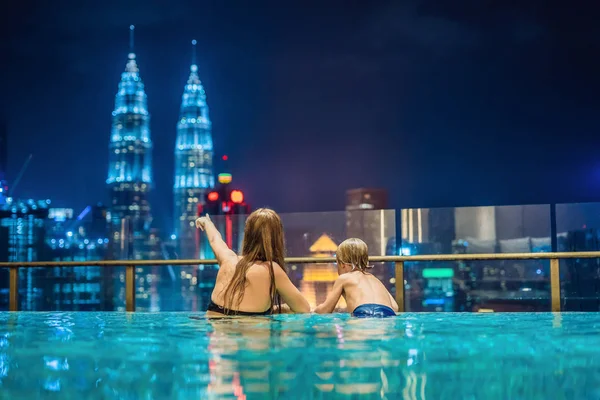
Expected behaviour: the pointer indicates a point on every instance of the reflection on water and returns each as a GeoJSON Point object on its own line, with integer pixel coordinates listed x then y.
{"type": "Point", "coordinates": [411, 357]}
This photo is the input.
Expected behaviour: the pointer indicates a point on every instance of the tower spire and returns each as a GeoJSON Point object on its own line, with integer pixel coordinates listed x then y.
{"type": "Point", "coordinates": [131, 64]}
{"type": "Point", "coordinates": [131, 38]}
{"type": "Point", "coordinates": [194, 67]}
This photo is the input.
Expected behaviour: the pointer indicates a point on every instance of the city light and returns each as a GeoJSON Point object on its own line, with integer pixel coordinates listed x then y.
{"type": "Point", "coordinates": [438, 273]}
{"type": "Point", "coordinates": [213, 196]}
{"type": "Point", "coordinates": [237, 196]}
{"type": "Point", "coordinates": [225, 178]}
{"type": "Point", "coordinates": [405, 251]}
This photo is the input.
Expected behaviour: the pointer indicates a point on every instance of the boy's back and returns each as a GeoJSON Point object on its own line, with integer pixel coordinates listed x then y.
{"type": "Point", "coordinates": [363, 288]}
{"type": "Point", "coordinates": [365, 295]}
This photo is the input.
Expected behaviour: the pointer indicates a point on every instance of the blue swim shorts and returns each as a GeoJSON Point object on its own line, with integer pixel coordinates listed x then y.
{"type": "Point", "coordinates": [373, 311]}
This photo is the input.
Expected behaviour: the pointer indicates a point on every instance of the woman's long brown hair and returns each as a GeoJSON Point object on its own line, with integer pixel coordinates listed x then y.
{"type": "Point", "coordinates": [263, 242]}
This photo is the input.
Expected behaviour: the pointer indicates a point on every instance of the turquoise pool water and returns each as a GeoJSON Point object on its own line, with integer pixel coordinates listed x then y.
{"type": "Point", "coordinates": [413, 356]}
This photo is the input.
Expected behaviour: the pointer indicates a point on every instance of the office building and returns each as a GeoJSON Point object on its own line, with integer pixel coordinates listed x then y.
{"type": "Point", "coordinates": [22, 234]}
{"type": "Point", "coordinates": [368, 219]}
{"type": "Point", "coordinates": [79, 238]}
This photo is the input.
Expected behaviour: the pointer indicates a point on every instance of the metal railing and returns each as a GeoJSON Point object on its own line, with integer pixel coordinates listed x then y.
{"type": "Point", "coordinates": [398, 260]}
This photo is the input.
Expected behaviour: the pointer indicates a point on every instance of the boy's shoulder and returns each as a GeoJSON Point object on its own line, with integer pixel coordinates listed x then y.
{"type": "Point", "coordinates": [346, 278]}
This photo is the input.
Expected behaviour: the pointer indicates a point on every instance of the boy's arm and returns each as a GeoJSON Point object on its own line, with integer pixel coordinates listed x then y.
{"type": "Point", "coordinates": [332, 299]}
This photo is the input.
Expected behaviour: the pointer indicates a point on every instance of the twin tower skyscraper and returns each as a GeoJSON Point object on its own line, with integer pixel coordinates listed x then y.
{"type": "Point", "coordinates": [130, 165]}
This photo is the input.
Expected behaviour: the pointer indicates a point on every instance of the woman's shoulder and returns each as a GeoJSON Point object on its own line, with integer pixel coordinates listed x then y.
{"type": "Point", "coordinates": [264, 266]}
{"type": "Point", "coordinates": [230, 262]}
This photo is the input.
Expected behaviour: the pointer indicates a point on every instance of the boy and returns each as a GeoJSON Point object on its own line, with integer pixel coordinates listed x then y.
{"type": "Point", "coordinates": [365, 295]}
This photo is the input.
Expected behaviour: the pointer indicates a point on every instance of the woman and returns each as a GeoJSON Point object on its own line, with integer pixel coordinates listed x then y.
{"type": "Point", "coordinates": [253, 283]}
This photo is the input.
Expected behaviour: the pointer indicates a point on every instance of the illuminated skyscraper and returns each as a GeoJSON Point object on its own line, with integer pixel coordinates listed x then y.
{"type": "Point", "coordinates": [193, 161]}
{"type": "Point", "coordinates": [22, 234]}
{"type": "Point", "coordinates": [130, 170]}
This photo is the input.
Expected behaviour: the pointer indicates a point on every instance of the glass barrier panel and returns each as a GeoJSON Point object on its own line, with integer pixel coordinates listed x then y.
{"type": "Point", "coordinates": [494, 229]}
{"type": "Point", "coordinates": [70, 289]}
{"type": "Point", "coordinates": [468, 286]}
{"type": "Point", "coordinates": [478, 286]}
{"type": "Point", "coordinates": [4, 289]}
{"type": "Point", "coordinates": [578, 229]}
{"type": "Point", "coordinates": [469, 230]}
{"type": "Point", "coordinates": [175, 287]}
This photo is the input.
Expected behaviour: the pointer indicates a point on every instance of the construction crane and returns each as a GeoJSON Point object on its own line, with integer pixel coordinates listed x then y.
{"type": "Point", "coordinates": [20, 175]}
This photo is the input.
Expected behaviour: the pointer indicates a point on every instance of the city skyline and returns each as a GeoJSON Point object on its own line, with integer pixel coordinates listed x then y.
{"type": "Point", "coordinates": [429, 86]}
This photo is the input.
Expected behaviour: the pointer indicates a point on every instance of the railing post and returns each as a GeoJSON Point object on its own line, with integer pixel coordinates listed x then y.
{"type": "Point", "coordinates": [13, 296]}
{"type": "Point", "coordinates": [130, 288]}
{"type": "Point", "coordinates": [555, 284]}
{"type": "Point", "coordinates": [400, 285]}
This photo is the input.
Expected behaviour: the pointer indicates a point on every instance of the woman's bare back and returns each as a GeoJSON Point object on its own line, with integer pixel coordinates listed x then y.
{"type": "Point", "coordinates": [257, 294]}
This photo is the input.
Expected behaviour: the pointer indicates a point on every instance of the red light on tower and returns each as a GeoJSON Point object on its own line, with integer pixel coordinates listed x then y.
{"type": "Point", "coordinates": [237, 196]}
{"type": "Point", "coordinates": [213, 196]}
{"type": "Point", "coordinates": [225, 158]}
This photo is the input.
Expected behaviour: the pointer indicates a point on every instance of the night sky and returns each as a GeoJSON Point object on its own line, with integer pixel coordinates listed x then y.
{"type": "Point", "coordinates": [442, 102]}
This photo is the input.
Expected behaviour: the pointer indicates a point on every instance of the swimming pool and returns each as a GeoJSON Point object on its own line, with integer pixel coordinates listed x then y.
{"type": "Point", "coordinates": [413, 356]}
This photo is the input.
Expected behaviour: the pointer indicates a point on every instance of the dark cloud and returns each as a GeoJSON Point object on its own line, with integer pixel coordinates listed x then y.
{"type": "Point", "coordinates": [402, 25]}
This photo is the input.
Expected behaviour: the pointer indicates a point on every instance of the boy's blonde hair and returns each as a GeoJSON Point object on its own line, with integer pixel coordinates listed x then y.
{"type": "Point", "coordinates": [354, 252]}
